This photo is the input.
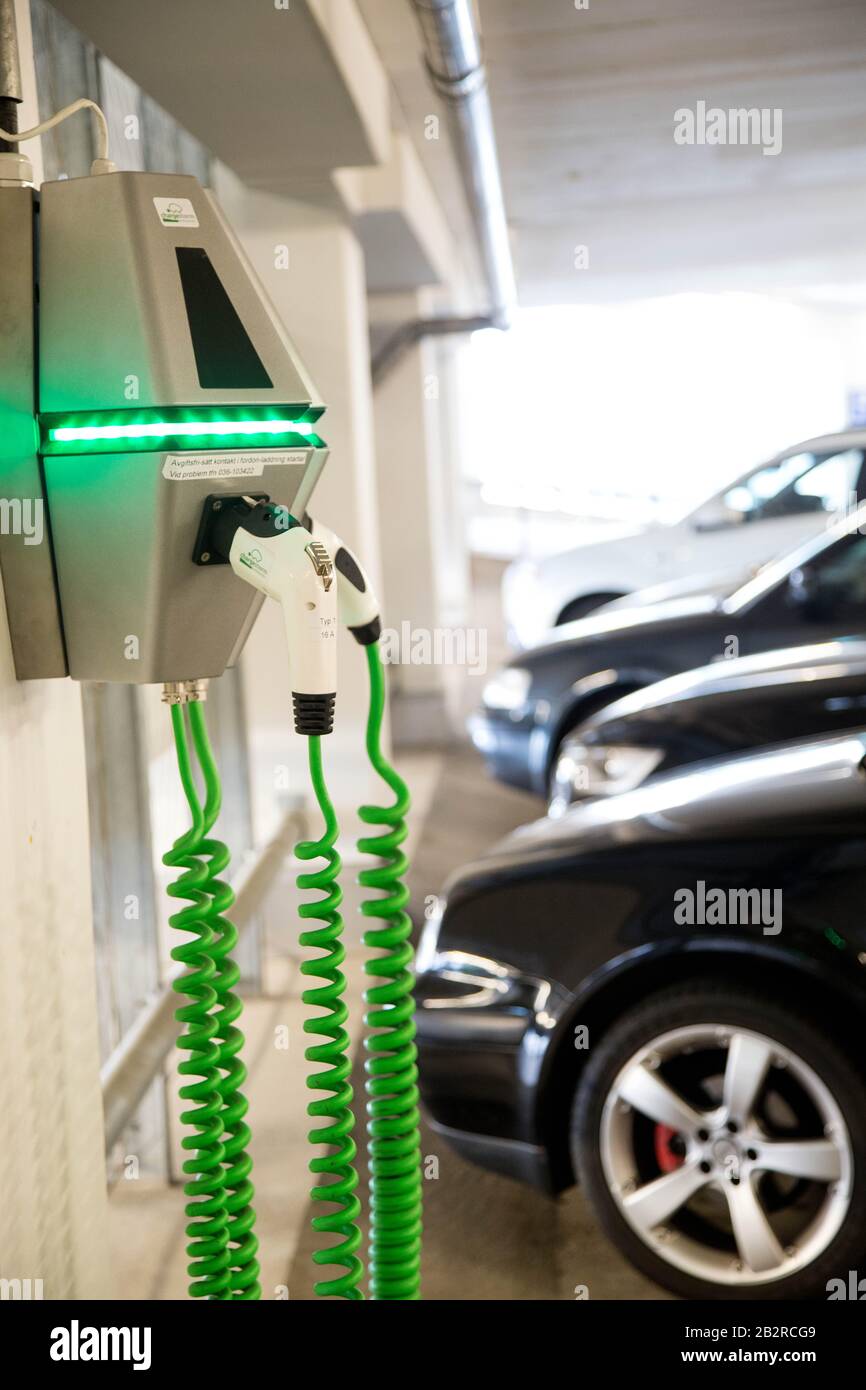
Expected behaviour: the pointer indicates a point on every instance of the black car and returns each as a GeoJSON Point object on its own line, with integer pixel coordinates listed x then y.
{"type": "Point", "coordinates": [726, 707]}
{"type": "Point", "coordinates": [816, 593]}
{"type": "Point", "coordinates": [662, 994]}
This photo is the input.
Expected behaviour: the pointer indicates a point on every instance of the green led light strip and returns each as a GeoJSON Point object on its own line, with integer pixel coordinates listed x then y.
{"type": "Point", "coordinates": [181, 428]}
{"type": "Point", "coordinates": [164, 429]}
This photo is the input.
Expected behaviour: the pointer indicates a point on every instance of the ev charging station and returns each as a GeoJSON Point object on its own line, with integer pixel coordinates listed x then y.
{"type": "Point", "coordinates": [155, 408]}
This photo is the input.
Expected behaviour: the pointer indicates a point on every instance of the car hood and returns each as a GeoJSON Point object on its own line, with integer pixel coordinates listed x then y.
{"type": "Point", "coordinates": [719, 584]}
{"type": "Point", "coordinates": [789, 787]}
{"type": "Point", "coordinates": [766, 671]}
{"type": "Point", "coordinates": [610, 621]}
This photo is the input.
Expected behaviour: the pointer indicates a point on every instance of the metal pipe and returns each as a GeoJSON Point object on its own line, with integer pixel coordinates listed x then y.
{"type": "Point", "coordinates": [10, 71]}
{"type": "Point", "coordinates": [408, 334]}
{"type": "Point", "coordinates": [453, 55]}
{"type": "Point", "coordinates": [136, 1060]}
{"type": "Point", "coordinates": [452, 51]}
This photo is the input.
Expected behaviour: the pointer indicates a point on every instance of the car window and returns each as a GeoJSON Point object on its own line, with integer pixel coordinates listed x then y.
{"type": "Point", "coordinates": [797, 485]}
{"type": "Point", "coordinates": [840, 576]}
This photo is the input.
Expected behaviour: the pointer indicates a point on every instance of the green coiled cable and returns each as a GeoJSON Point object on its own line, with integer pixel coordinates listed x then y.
{"type": "Point", "coordinates": [337, 1165]}
{"type": "Point", "coordinates": [393, 1139]}
{"type": "Point", "coordinates": [243, 1244]}
{"type": "Point", "coordinates": [207, 1231]}
{"type": "Point", "coordinates": [226, 1166]}
{"type": "Point", "coordinates": [222, 1245]}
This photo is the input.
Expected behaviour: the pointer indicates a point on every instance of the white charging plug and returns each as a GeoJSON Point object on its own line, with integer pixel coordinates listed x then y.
{"type": "Point", "coordinates": [296, 569]}
{"type": "Point", "coordinates": [356, 599]}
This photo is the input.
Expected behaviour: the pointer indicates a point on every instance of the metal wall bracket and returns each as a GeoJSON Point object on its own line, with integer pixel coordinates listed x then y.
{"type": "Point", "coordinates": [26, 558]}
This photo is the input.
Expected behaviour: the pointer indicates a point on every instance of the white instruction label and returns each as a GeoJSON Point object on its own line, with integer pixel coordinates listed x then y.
{"type": "Point", "coordinates": [180, 468]}
{"type": "Point", "coordinates": [175, 212]}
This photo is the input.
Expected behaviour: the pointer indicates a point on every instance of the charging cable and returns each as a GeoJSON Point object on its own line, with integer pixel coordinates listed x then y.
{"type": "Point", "coordinates": [269, 549]}
{"type": "Point", "coordinates": [298, 564]}
{"type": "Point", "coordinates": [242, 1243]}
{"type": "Point", "coordinates": [393, 1138]}
{"type": "Point", "coordinates": [101, 164]}
{"type": "Point", "coordinates": [207, 1229]}
{"type": "Point", "coordinates": [333, 1051]}
{"type": "Point", "coordinates": [222, 1247]}
{"type": "Point", "coordinates": [394, 1144]}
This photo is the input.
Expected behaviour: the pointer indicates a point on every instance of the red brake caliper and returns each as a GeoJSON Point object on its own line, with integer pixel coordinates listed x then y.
{"type": "Point", "coordinates": [666, 1159]}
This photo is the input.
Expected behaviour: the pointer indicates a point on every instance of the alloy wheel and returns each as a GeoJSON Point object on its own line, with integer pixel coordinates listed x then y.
{"type": "Point", "coordinates": [726, 1154]}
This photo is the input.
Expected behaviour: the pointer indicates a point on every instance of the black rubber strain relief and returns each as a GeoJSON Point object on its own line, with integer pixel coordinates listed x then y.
{"type": "Point", "coordinates": [367, 633]}
{"type": "Point", "coordinates": [314, 714]}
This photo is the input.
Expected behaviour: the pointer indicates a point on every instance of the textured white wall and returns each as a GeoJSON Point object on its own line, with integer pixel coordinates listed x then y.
{"type": "Point", "coordinates": [52, 1167]}
{"type": "Point", "coordinates": [422, 524]}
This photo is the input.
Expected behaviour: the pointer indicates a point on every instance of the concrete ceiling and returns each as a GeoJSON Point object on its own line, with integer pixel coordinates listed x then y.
{"type": "Point", "coordinates": [282, 94]}
{"type": "Point", "coordinates": [584, 104]}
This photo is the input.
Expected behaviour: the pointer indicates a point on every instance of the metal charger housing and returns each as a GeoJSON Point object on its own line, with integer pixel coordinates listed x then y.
{"type": "Point", "coordinates": [149, 316]}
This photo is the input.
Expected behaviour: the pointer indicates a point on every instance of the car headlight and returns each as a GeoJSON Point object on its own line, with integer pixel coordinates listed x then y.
{"type": "Point", "coordinates": [603, 769]}
{"type": "Point", "coordinates": [508, 689]}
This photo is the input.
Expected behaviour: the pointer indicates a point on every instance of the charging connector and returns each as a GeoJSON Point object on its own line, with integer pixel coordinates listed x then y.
{"type": "Point", "coordinates": [269, 548]}
{"type": "Point", "coordinates": [356, 599]}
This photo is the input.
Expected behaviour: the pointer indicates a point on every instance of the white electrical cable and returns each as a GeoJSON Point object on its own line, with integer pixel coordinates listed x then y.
{"type": "Point", "coordinates": [101, 164]}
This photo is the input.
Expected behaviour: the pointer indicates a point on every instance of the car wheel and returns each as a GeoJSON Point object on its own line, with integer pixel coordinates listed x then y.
{"type": "Point", "coordinates": [722, 1143]}
{"type": "Point", "coordinates": [581, 607]}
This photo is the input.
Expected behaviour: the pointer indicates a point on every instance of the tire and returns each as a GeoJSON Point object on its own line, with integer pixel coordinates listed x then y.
{"type": "Point", "coordinates": [698, 1034]}
{"type": "Point", "coordinates": [581, 607]}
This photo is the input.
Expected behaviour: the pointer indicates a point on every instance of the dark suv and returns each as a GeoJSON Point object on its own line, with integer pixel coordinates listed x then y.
{"type": "Point", "coordinates": [662, 994]}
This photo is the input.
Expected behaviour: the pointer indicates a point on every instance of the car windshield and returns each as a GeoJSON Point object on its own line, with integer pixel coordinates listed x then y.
{"type": "Point", "coordinates": [775, 571]}
{"type": "Point", "coordinates": [798, 484]}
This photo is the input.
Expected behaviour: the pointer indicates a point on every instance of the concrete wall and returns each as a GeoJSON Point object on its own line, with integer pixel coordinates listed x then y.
{"type": "Point", "coordinates": [53, 1216]}
{"type": "Point", "coordinates": [424, 560]}
{"type": "Point", "coordinates": [52, 1168]}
